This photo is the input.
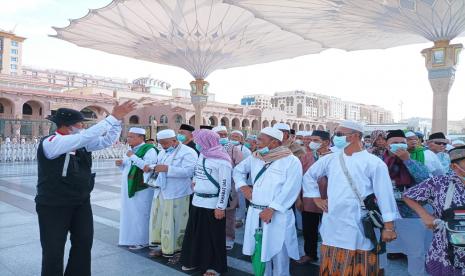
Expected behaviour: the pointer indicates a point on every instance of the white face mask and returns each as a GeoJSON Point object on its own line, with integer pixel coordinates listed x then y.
{"type": "Point", "coordinates": [299, 142]}
{"type": "Point", "coordinates": [314, 146]}
{"type": "Point", "coordinates": [75, 130]}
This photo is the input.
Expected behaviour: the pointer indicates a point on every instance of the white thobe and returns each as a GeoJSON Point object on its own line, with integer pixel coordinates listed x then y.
{"type": "Point", "coordinates": [135, 211]}
{"type": "Point", "coordinates": [277, 188]}
{"type": "Point", "coordinates": [341, 226]}
{"type": "Point", "coordinates": [177, 182]}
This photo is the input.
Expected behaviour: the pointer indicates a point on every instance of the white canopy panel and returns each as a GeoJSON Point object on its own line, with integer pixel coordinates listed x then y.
{"type": "Point", "coordinates": [363, 24]}
{"type": "Point", "coordinates": [197, 35]}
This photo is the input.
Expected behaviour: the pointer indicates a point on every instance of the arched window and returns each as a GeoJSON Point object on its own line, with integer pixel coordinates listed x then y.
{"type": "Point", "coordinates": [178, 119]}
{"type": "Point", "coordinates": [134, 120]}
{"type": "Point", "coordinates": [27, 109]}
{"type": "Point", "coordinates": [163, 119]}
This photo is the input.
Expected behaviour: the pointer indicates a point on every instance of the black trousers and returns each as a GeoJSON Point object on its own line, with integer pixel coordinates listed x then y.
{"type": "Point", "coordinates": [54, 223]}
{"type": "Point", "coordinates": [310, 223]}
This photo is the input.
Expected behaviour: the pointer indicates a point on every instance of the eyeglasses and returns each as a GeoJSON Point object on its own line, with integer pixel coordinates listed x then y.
{"type": "Point", "coordinates": [440, 143]}
{"type": "Point", "coordinates": [343, 134]}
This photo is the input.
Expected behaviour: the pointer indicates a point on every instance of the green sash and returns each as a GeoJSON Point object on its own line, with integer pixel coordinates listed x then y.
{"type": "Point", "coordinates": [136, 175]}
{"type": "Point", "coordinates": [418, 154]}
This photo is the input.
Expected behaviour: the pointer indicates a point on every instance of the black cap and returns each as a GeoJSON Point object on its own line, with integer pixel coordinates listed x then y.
{"type": "Point", "coordinates": [324, 135]}
{"type": "Point", "coordinates": [395, 133]}
{"type": "Point", "coordinates": [437, 136]}
{"type": "Point", "coordinates": [186, 127]}
{"type": "Point", "coordinates": [292, 131]}
{"type": "Point", "coordinates": [67, 117]}
{"type": "Point", "coordinates": [206, 127]}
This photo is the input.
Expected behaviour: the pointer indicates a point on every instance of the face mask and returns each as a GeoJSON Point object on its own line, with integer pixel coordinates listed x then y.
{"type": "Point", "coordinates": [299, 142]}
{"type": "Point", "coordinates": [75, 130]}
{"type": "Point", "coordinates": [248, 145]}
{"type": "Point", "coordinates": [224, 141]}
{"type": "Point", "coordinates": [264, 151]}
{"type": "Point", "coordinates": [198, 147]}
{"type": "Point", "coordinates": [181, 138]}
{"type": "Point", "coordinates": [314, 146]}
{"type": "Point", "coordinates": [170, 149]}
{"type": "Point", "coordinates": [394, 147]}
{"type": "Point", "coordinates": [340, 142]}
{"type": "Point", "coordinates": [234, 142]}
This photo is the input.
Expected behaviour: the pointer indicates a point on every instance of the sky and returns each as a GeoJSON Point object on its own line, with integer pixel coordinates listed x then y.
{"type": "Point", "coordinates": [381, 77]}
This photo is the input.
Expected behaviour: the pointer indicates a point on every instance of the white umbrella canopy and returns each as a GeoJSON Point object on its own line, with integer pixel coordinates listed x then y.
{"type": "Point", "coordinates": [377, 24]}
{"type": "Point", "coordinates": [198, 35]}
{"type": "Point", "coordinates": [363, 24]}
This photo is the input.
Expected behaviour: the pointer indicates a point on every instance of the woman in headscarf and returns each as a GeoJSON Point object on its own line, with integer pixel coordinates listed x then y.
{"type": "Point", "coordinates": [203, 245]}
{"type": "Point", "coordinates": [378, 144]}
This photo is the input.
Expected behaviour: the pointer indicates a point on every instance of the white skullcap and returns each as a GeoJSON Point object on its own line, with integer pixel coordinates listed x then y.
{"type": "Point", "coordinates": [409, 134]}
{"type": "Point", "coordinates": [352, 125]}
{"type": "Point", "coordinates": [308, 133]}
{"type": "Point", "coordinates": [458, 142]}
{"type": "Point", "coordinates": [238, 132]}
{"type": "Point", "coordinates": [137, 130]}
{"type": "Point", "coordinates": [166, 134]}
{"type": "Point", "coordinates": [282, 126]}
{"type": "Point", "coordinates": [300, 133]}
{"type": "Point", "coordinates": [273, 132]}
{"type": "Point", "coordinates": [219, 128]}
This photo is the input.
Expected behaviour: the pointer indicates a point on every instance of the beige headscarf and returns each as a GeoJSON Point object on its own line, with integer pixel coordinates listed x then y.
{"type": "Point", "coordinates": [274, 154]}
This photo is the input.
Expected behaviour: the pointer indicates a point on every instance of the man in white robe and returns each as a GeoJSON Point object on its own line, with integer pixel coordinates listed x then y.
{"type": "Point", "coordinates": [170, 206]}
{"type": "Point", "coordinates": [277, 176]}
{"type": "Point", "coordinates": [135, 210]}
{"type": "Point", "coordinates": [237, 139]}
{"type": "Point", "coordinates": [341, 229]}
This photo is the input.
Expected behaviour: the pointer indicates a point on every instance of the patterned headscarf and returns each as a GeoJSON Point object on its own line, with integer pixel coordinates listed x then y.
{"type": "Point", "coordinates": [210, 147]}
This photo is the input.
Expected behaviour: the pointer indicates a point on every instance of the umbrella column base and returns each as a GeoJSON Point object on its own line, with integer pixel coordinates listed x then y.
{"type": "Point", "coordinates": [199, 98]}
{"type": "Point", "coordinates": [441, 61]}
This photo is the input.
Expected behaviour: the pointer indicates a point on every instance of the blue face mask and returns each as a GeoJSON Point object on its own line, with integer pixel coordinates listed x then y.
{"type": "Point", "coordinates": [224, 141]}
{"type": "Point", "coordinates": [394, 147]}
{"type": "Point", "coordinates": [198, 147]}
{"type": "Point", "coordinates": [264, 151]}
{"type": "Point", "coordinates": [181, 138]}
{"type": "Point", "coordinates": [169, 150]}
{"type": "Point", "coordinates": [340, 142]}
{"type": "Point", "coordinates": [234, 142]}
{"type": "Point", "coordinates": [248, 145]}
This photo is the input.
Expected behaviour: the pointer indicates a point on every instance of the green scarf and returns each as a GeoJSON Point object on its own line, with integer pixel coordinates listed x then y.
{"type": "Point", "coordinates": [418, 154]}
{"type": "Point", "coordinates": [136, 175]}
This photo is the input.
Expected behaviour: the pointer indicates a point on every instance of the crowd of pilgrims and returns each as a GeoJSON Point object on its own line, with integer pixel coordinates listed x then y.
{"type": "Point", "coordinates": [391, 195]}
{"type": "Point", "coordinates": [185, 197]}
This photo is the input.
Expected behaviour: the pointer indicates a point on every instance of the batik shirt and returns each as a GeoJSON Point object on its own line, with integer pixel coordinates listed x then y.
{"type": "Point", "coordinates": [433, 191]}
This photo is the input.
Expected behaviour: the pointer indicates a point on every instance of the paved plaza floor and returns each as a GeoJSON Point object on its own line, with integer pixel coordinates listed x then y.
{"type": "Point", "coordinates": [20, 252]}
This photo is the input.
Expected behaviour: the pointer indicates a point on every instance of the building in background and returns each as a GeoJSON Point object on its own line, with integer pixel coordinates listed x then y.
{"type": "Point", "coordinates": [11, 49]}
{"type": "Point", "coordinates": [302, 104]}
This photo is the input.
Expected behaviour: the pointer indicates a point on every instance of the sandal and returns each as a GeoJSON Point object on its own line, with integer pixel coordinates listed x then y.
{"type": "Point", "coordinates": [229, 245]}
{"type": "Point", "coordinates": [303, 260]}
{"type": "Point", "coordinates": [184, 268]}
{"type": "Point", "coordinates": [175, 259]}
{"type": "Point", "coordinates": [137, 247]}
{"type": "Point", "coordinates": [155, 253]}
{"type": "Point", "coordinates": [211, 272]}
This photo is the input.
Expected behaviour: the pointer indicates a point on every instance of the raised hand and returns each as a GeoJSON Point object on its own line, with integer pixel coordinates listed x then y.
{"type": "Point", "coordinates": [121, 110]}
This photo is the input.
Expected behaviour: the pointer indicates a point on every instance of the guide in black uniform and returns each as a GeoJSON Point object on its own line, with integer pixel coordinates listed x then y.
{"type": "Point", "coordinates": [64, 184]}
